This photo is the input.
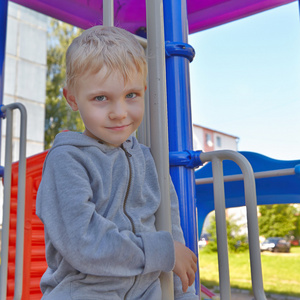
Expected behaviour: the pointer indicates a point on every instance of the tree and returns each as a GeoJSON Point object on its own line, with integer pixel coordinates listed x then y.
{"type": "Point", "coordinates": [236, 241]}
{"type": "Point", "coordinates": [59, 115]}
{"type": "Point", "coordinates": [277, 220]}
{"type": "Point", "coordinates": [296, 233]}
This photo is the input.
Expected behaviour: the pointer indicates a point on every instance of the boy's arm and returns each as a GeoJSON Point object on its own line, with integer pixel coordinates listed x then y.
{"type": "Point", "coordinates": [178, 236]}
{"type": "Point", "coordinates": [89, 242]}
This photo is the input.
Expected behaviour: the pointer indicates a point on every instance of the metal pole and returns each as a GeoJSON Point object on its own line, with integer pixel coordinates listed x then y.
{"type": "Point", "coordinates": [219, 200]}
{"type": "Point", "coordinates": [159, 126]}
{"type": "Point", "coordinates": [257, 175]}
{"type": "Point", "coordinates": [143, 132]}
{"type": "Point", "coordinates": [108, 12]}
{"type": "Point", "coordinates": [20, 201]}
{"type": "Point", "coordinates": [251, 205]}
{"type": "Point", "coordinates": [6, 206]}
{"type": "Point", "coordinates": [180, 121]}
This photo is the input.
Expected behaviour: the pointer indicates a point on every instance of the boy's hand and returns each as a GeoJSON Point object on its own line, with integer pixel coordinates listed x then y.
{"type": "Point", "coordinates": [185, 265]}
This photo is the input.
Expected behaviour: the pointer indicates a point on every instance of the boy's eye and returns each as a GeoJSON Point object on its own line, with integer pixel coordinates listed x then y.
{"type": "Point", "coordinates": [100, 98]}
{"type": "Point", "coordinates": [131, 95]}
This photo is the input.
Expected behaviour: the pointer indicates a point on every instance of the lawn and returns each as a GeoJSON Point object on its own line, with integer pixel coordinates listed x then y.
{"type": "Point", "coordinates": [281, 271]}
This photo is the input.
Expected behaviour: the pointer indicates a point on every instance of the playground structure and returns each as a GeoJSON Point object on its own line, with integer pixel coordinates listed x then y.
{"type": "Point", "coordinates": [170, 55]}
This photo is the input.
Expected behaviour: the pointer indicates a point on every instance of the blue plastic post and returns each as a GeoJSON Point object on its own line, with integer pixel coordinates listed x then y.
{"type": "Point", "coordinates": [3, 22]}
{"type": "Point", "coordinates": [179, 118]}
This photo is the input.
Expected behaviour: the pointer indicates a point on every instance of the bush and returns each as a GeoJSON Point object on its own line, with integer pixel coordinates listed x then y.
{"type": "Point", "coordinates": [236, 242]}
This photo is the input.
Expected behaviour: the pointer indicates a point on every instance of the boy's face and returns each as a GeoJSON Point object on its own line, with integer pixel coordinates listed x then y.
{"type": "Point", "coordinates": [110, 108]}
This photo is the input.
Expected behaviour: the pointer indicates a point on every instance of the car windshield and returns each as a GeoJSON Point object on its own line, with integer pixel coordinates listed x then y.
{"type": "Point", "coordinates": [271, 240]}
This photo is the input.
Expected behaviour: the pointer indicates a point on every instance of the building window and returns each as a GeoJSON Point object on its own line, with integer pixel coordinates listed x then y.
{"type": "Point", "coordinates": [219, 142]}
{"type": "Point", "coordinates": [209, 142]}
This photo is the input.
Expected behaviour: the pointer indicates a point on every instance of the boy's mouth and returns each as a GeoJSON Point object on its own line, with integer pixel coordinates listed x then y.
{"type": "Point", "coordinates": [116, 128]}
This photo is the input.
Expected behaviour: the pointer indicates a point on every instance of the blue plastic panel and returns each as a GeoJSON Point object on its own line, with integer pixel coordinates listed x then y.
{"type": "Point", "coordinates": [273, 190]}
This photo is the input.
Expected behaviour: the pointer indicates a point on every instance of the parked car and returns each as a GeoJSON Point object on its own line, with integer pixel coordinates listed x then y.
{"type": "Point", "coordinates": [275, 244]}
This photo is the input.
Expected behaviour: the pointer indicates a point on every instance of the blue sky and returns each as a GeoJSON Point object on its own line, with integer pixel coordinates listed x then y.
{"type": "Point", "coordinates": [245, 81]}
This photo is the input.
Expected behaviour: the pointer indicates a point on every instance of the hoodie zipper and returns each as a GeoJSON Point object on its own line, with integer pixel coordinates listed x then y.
{"type": "Point", "coordinates": [128, 155]}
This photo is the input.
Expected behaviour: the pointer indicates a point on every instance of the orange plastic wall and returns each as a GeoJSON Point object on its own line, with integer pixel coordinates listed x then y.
{"type": "Point", "coordinates": [34, 245]}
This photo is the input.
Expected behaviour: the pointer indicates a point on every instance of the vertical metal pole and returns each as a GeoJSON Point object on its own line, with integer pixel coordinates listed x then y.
{"type": "Point", "coordinates": [108, 12]}
{"type": "Point", "coordinates": [180, 121]}
{"type": "Point", "coordinates": [20, 202]}
{"type": "Point", "coordinates": [143, 133]}
{"type": "Point", "coordinates": [3, 25]}
{"type": "Point", "coordinates": [159, 126]}
{"type": "Point", "coordinates": [6, 206]}
{"type": "Point", "coordinates": [219, 199]}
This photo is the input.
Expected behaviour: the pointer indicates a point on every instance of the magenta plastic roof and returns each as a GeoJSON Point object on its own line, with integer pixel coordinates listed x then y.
{"type": "Point", "coordinates": [131, 14]}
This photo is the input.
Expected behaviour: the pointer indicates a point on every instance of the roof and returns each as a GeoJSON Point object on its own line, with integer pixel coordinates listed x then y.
{"type": "Point", "coordinates": [131, 14]}
{"type": "Point", "coordinates": [216, 131]}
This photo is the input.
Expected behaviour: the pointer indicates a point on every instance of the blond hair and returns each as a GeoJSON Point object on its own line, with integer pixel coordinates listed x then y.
{"type": "Point", "coordinates": [100, 46]}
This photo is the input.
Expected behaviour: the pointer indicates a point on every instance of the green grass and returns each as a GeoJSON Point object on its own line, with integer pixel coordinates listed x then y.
{"type": "Point", "coordinates": [281, 271]}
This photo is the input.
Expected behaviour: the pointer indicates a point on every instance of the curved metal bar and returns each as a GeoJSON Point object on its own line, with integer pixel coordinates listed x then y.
{"type": "Point", "coordinates": [216, 157]}
{"type": "Point", "coordinates": [20, 201]}
{"type": "Point", "coordinates": [219, 199]}
{"type": "Point", "coordinates": [257, 175]}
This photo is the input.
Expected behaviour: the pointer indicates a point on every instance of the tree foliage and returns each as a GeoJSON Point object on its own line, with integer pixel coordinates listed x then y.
{"type": "Point", "coordinates": [237, 242]}
{"type": "Point", "coordinates": [277, 220]}
{"type": "Point", "coordinates": [59, 115]}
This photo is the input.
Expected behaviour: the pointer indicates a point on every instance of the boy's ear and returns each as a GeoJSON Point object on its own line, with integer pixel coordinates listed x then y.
{"type": "Point", "coordinates": [70, 99]}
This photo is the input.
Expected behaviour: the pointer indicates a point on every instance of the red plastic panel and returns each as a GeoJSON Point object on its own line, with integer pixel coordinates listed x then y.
{"type": "Point", "coordinates": [34, 246]}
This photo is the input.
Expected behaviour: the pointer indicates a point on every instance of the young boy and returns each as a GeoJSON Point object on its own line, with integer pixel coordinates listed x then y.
{"type": "Point", "coordinates": [99, 191]}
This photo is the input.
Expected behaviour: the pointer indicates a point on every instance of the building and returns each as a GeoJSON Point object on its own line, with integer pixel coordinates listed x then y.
{"type": "Point", "coordinates": [207, 139]}
{"type": "Point", "coordinates": [25, 77]}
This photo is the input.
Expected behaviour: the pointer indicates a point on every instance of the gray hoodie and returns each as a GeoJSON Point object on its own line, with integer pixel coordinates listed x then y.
{"type": "Point", "coordinates": [98, 205]}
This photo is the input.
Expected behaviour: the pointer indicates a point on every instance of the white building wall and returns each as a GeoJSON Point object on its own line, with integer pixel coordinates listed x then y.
{"type": "Point", "coordinates": [25, 76]}
{"type": "Point", "coordinates": [227, 142]}
{"type": "Point", "coordinates": [198, 138]}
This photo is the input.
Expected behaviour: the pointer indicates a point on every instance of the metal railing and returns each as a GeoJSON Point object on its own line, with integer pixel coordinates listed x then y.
{"type": "Point", "coordinates": [216, 158]}
{"type": "Point", "coordinates": [7, 110]}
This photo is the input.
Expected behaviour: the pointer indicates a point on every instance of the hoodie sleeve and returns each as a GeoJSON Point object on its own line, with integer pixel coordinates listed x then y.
{"type": "Point", "coordinates": [75, 231]}
{"type": "Point", "coordinates": [178, 236]}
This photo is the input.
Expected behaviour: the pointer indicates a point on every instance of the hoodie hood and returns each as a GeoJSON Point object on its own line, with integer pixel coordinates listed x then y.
{"type": "Point", "coordinates": [78, 139]}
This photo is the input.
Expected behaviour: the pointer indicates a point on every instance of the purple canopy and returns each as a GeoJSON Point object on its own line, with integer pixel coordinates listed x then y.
{"type": "Point", "coordinates": [131, 14]}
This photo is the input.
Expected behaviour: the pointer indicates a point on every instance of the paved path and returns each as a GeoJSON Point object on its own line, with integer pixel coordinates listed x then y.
{"type": "Point", "coordinates": [241, 296]}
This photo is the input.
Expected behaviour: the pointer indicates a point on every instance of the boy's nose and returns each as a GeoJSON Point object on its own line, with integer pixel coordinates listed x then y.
{"type": "Point", "coordinates": [118, 111]}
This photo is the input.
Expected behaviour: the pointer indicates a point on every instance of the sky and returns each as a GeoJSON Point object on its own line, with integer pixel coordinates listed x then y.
{"type": "Point", "coordinates": [245, 81]}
